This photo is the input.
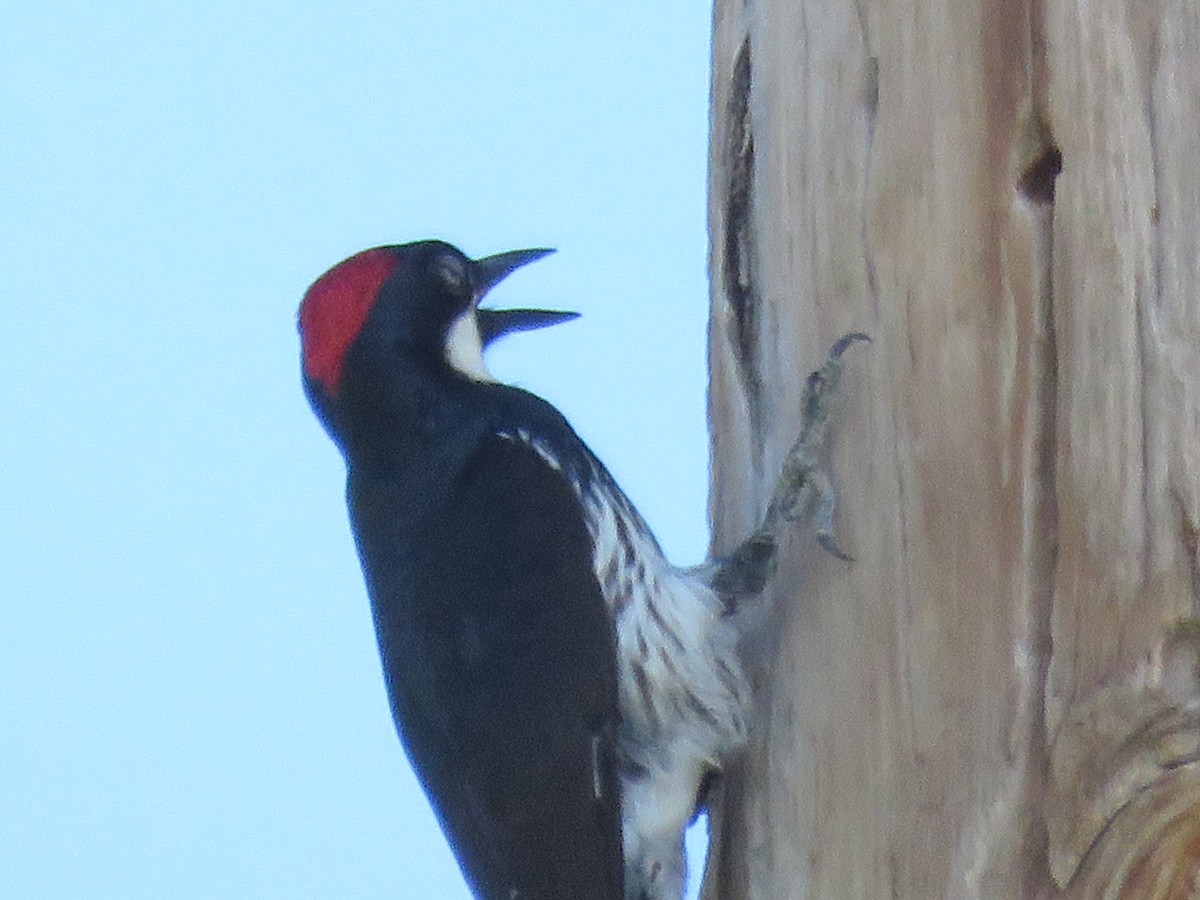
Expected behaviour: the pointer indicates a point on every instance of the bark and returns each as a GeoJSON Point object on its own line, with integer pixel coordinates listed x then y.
{"type": "Point", "coordinates": [999, 697]}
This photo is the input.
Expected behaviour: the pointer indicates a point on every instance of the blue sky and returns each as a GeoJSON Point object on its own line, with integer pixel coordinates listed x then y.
{"type": "Point", "coordinates": [189, 688]}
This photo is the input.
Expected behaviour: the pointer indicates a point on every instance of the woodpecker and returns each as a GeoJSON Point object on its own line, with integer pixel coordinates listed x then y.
{"type": "Point", "coordinates": [562, 690]}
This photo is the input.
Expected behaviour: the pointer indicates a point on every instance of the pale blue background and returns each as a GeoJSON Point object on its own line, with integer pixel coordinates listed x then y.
{"type": "Point", "coordinates": [190, 698]}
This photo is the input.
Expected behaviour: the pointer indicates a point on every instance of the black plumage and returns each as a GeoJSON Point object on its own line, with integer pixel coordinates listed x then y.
{"type": "Point", "coordinates": [497, 646]}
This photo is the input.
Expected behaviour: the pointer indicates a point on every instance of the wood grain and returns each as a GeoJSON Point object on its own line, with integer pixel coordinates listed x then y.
{"type": "Point", "coordinates": [1005, 679]}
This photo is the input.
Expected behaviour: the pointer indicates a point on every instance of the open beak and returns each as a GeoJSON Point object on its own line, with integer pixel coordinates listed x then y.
{"type": "Point", "coordinates": [495, 323]}
{"type": "Point", "coordinates": [486, 273]}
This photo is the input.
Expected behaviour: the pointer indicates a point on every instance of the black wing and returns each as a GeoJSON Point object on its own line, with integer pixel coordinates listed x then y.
{"type": "Point", "coordinates": [501, 667]}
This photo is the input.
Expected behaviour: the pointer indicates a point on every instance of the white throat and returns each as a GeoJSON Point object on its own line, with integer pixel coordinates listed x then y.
{"type": "Point", "coordinates": [464, 347]}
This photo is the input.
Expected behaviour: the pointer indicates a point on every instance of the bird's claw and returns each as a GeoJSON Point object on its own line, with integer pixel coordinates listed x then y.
{"type": "Point", "coordinates": [846, 341]}
{"type": "Point", "coordinates": [804, 488]}
{"type": "Point", "coordinates": [829, 543]}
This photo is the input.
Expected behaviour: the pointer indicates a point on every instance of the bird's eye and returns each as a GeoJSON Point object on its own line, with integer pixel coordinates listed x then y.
{"type": "Point", "coordinates": [451, 272]}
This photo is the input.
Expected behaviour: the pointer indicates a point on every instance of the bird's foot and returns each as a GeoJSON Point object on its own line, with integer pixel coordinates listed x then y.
{"type": "Point", "coordinates": [804, 488]}
{"type": "Point", "coordinates": [745, 572]}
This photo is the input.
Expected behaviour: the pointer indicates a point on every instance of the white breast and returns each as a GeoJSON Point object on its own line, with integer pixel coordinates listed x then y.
{"type": "Point", "coordinates": [464, 347]}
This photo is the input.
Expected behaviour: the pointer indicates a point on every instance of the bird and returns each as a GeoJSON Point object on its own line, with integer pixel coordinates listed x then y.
{"type": "Point", "coordinates": [563, 692]}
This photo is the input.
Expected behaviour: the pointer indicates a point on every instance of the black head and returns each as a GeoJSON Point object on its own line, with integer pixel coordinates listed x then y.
{"type": "Point", "coordinates": [406, 305]}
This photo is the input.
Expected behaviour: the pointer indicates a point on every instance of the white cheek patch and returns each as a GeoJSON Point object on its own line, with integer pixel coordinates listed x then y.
{"type": "Point", "coordinates": [464, 347]}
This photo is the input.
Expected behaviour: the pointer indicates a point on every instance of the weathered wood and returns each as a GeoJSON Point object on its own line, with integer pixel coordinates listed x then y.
{"type": "Point", "coordinates": [999, 698]}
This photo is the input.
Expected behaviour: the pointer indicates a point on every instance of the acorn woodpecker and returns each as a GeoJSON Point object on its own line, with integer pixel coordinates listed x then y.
{"type": "Point", "coordinates": [562, 691]}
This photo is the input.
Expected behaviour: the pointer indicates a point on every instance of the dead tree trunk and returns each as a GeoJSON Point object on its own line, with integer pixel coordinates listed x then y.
{"type": "Point", "coordinates": [999, 698]}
